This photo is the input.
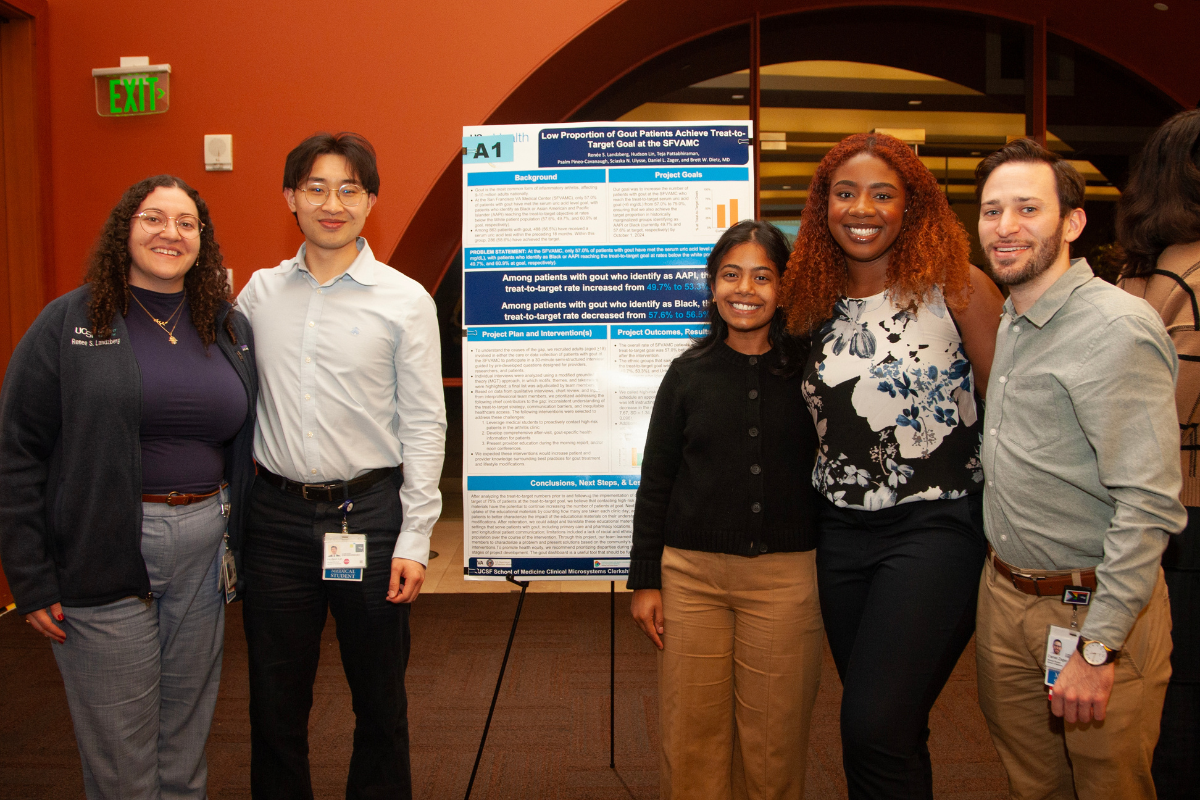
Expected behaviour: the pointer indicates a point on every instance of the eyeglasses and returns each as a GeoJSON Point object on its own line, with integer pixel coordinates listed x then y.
{"type": "Point", "coordinates": [350, 194]}
{"type": "Point", "coordinates": [154, 222]}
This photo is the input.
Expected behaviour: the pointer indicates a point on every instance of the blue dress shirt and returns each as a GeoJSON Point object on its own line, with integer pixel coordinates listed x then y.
{"type": "Point", "coordinates": [350, 378]}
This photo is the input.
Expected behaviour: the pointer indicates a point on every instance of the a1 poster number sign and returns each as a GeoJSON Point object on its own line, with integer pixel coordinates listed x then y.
{"type": "Point", "coordinates": [487, 149]}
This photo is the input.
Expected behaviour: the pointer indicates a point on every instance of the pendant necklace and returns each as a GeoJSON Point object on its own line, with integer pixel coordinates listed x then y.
{"type": "Point", "coordinates": [160, 323]}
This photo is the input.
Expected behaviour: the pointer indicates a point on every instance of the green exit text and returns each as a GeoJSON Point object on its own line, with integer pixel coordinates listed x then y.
{"type": "Point", "coordinates": [136, 90]}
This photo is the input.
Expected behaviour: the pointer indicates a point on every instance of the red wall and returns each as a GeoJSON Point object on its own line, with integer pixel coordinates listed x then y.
{"type": "Point", "coordinates": [408, 75]}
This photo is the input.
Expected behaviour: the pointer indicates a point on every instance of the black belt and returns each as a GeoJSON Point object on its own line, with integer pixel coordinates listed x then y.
{"type": "Point", "coordinates": [327, 492]}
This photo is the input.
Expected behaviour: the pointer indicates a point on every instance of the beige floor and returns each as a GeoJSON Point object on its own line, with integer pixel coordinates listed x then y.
{"type": "Point", "coordinates": [445, 573]}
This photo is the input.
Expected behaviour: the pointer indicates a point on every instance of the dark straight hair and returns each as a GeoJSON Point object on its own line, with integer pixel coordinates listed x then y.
{"type": "Point", "coordinates": [1161, 205]}
{"type": "Point", "coordinates": [357, 151]}
{"type": "Point", "coordinates": [787, 351]}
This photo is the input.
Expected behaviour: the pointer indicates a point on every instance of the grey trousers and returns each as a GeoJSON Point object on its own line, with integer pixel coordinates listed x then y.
{"type": "Point", "coordinates": [141, 676]}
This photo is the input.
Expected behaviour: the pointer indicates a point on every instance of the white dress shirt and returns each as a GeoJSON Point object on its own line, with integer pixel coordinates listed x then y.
{"type": "Point", "coordinates": [350, 379]}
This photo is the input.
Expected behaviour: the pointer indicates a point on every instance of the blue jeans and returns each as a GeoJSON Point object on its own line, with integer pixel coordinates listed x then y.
{"type": "Point", "coordinates": [141, 676]}
{"type": "Point", "coordinates": [898, 592]}
{"type": "Point", "coordinates": [285, 607]}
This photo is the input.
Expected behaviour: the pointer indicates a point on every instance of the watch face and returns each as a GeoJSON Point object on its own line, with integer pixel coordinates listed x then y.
{"type": "Point", "coordinates": [1094, 653]}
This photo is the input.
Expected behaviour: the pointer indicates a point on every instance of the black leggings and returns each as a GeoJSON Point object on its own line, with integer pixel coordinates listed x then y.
{"type": "Point", "coordinates": [898, 589]}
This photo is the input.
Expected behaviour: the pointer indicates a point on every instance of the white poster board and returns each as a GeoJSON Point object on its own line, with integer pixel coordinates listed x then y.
{"type": "Point", "coordinates": [584, 248]}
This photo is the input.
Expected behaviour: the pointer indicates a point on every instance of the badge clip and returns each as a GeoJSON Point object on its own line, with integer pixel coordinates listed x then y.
{"type": "Point", "coordinates": [1077, 596]}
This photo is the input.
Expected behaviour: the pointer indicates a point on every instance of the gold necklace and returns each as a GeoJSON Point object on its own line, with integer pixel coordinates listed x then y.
{"type": "Point", "coordinates": [170, 333]}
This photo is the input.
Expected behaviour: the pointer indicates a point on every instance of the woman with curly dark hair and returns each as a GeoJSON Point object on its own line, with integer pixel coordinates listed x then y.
{"type": "Point", "coordinates": [903, 333]}
{"type": "Point", "coordinates": [126, 425]}
{"type": "Point", "coordinates": [1158, 223]}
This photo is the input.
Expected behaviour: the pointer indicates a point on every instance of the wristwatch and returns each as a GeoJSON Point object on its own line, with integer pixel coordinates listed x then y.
{"type": "Point", "coordinates": [1097, 653]}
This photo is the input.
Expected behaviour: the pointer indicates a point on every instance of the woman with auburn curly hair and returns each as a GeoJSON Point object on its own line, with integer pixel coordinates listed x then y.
{"type": "Point", "coordinates": [125, 466]}
{"type": "Point", "coordinates": [903, 333]}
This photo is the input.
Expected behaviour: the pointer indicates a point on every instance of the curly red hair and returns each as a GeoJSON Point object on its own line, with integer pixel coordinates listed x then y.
{"type": "Point", "coordinates": [931, 251]}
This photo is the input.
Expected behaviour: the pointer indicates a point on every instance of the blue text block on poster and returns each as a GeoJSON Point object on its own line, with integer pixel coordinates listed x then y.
{"type": "Point", "coordinates": [536, 176]}
{"type": "Point", "coordinates": [528, 333]}
{"type": "Point", "coordinates": [586, 296]}
{"type": "Point", "coordinates": [633, 145]}
{"type": "Point", "coordinates": [551, 483]}
{"type": "Point", "coordinates": [665, 175]}
{"type": "Point", "coordinates": [631, 256]}
{"type": "Point", "coordinates": [615, 566]}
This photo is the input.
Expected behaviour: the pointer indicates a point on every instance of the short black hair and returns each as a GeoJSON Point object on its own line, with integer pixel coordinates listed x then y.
{"type": "Point", "coordinates": [1067, 180]}
{"type": "Point", "coordinates": [353, 147]}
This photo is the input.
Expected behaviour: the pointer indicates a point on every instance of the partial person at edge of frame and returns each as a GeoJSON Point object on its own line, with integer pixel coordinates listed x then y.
{"type": "Point", "coordinates": [126, 423]}
{"type": "Point", "coordinates": [351, 437]}
{"type": "Point", "coordinates": [722, 561]}
{"type": "Point", "coordinates": [1082, 490]}
{"type": "Point", "coordinates": [1158, 224]}
{"type": "Point", "coordinates": [903, 331]}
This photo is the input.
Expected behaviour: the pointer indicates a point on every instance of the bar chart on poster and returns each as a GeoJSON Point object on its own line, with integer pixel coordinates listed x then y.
{"type": "Point", "coordinates": [584, 250]}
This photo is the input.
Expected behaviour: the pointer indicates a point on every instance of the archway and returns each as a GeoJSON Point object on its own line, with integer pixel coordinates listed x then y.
{"type": "Point", "coordinates": [647, 48]}
{"type": "Point", "coordinates": [959, 77]}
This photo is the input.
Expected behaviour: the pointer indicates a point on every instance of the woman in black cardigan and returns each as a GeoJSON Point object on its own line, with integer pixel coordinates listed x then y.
{"type": "Point", "coordinates": [126, 425]}
{"type": "Point", "coordinates": [723, 564]}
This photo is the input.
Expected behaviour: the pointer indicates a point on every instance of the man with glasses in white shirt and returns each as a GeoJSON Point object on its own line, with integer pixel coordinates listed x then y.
{"type": "Point", "coordinates": [349, 445]}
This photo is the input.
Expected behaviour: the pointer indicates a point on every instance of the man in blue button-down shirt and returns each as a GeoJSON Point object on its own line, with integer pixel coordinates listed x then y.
{"type": "Point", "coordinates": [350, 437]}
{"type": "Point", "coordinates": [1080, 458]}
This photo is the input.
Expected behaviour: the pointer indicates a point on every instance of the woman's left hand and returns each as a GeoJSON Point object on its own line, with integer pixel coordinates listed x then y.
{"type": "Point", "coordinates": [42, 621]}
{"type": "Point", "coordinates": [647, 611]}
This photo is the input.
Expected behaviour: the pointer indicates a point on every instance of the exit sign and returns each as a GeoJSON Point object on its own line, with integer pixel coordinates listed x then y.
{"type": "Point", "coordinates": [132, 91]}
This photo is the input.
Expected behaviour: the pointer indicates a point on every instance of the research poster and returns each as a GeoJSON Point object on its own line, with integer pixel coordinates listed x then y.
{"type": "Point", "coordinates": [584, 248]}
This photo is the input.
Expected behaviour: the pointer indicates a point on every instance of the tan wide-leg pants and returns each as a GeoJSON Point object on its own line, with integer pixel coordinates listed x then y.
{"type": "Point", "coordinates": [1048, 759]}
{"type": "Point", "coordinates": [738, 674]}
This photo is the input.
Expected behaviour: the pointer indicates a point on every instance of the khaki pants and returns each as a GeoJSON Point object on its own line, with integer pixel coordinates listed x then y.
{"type": "Point", "coordinates": [738, 674]}
{"type": "Point", "coordinates": [1044, 756]}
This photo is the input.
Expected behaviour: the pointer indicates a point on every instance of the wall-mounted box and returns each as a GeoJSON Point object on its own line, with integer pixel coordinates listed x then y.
{"type": "Point", "coordinates": [132, 89]}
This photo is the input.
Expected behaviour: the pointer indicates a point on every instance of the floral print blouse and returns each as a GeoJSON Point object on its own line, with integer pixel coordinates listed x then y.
{"type": "Point", "coordinates": [892, 396]}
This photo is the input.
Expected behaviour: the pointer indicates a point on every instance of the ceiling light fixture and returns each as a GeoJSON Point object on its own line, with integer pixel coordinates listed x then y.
{"type": "Point", "coordinates": [739, 97]}
{"type": "Point", "coordinates": [914, 102]}
{"type": "Point", "coordinates": [1161, 6]}
{"type": "Point", "coordinates": [785, 187]}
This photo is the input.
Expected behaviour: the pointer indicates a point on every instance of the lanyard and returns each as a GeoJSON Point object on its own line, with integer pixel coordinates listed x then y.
{"type": "Point", "coordinates": [346, 507]}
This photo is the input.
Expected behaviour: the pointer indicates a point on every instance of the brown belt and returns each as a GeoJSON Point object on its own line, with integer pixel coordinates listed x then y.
{"type": "Point", "coordinates": [1042, 585]}
{"type": "Point", "coordinates": [179, 498]}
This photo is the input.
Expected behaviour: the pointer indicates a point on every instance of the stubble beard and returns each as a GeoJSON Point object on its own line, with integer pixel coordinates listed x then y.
{"type": "Point", "coordinates": [1045, 253]}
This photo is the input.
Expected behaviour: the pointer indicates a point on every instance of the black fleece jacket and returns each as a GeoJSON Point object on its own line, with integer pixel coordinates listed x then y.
{"type": "Point", "coordinates": [71, 462]}
{"type": "Point", "coordinates": [728, 464]}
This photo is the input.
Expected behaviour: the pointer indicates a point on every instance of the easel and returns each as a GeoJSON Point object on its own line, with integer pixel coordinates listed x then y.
{"type": "Point", "coordinates": [612, 676]}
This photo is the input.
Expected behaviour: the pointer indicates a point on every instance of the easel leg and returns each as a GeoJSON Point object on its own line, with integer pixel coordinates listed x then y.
{"type": "Point", "coordinates": [612, 673]}
{"type": "Point", "coordinates": [496, 694]}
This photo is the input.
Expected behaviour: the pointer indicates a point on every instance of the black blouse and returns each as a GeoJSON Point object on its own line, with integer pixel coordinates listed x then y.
{"type": "Point", "coordinates": [728, 464]}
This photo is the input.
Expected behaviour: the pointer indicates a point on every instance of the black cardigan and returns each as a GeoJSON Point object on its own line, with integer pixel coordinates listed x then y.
{"type": "Point", "coordinates": [71, 460]}
{"type": "Point", "coordinates": [728, 464]}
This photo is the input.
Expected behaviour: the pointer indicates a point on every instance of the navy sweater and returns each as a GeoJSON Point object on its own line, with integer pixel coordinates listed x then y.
{"type": "Point", "coordinates": [728, 464]}
{"type": "Point", "coordinates": [70, 458]}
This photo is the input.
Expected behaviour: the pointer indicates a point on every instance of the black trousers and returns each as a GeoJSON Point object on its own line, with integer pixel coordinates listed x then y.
{"type": "Point", "coordinates": [1176, 768]}
{"type": "Point", "coordinates": [898, 589]}
{"type": "Point", "coordinates": [286, 604]}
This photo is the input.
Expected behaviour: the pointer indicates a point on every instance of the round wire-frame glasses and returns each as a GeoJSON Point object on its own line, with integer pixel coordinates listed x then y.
{"type": "Point", "coordinates": [155, 222]}
{"type": "Point", "coordinates": [349, 194]}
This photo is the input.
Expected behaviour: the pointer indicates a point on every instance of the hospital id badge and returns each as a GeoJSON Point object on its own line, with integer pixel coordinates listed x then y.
{"type": "Point", "coordinates": [345, 556]}
{"type": "Point", "coordinates": [228, 576]}
{"type": "Point", "coordinates": [1060, 644]}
